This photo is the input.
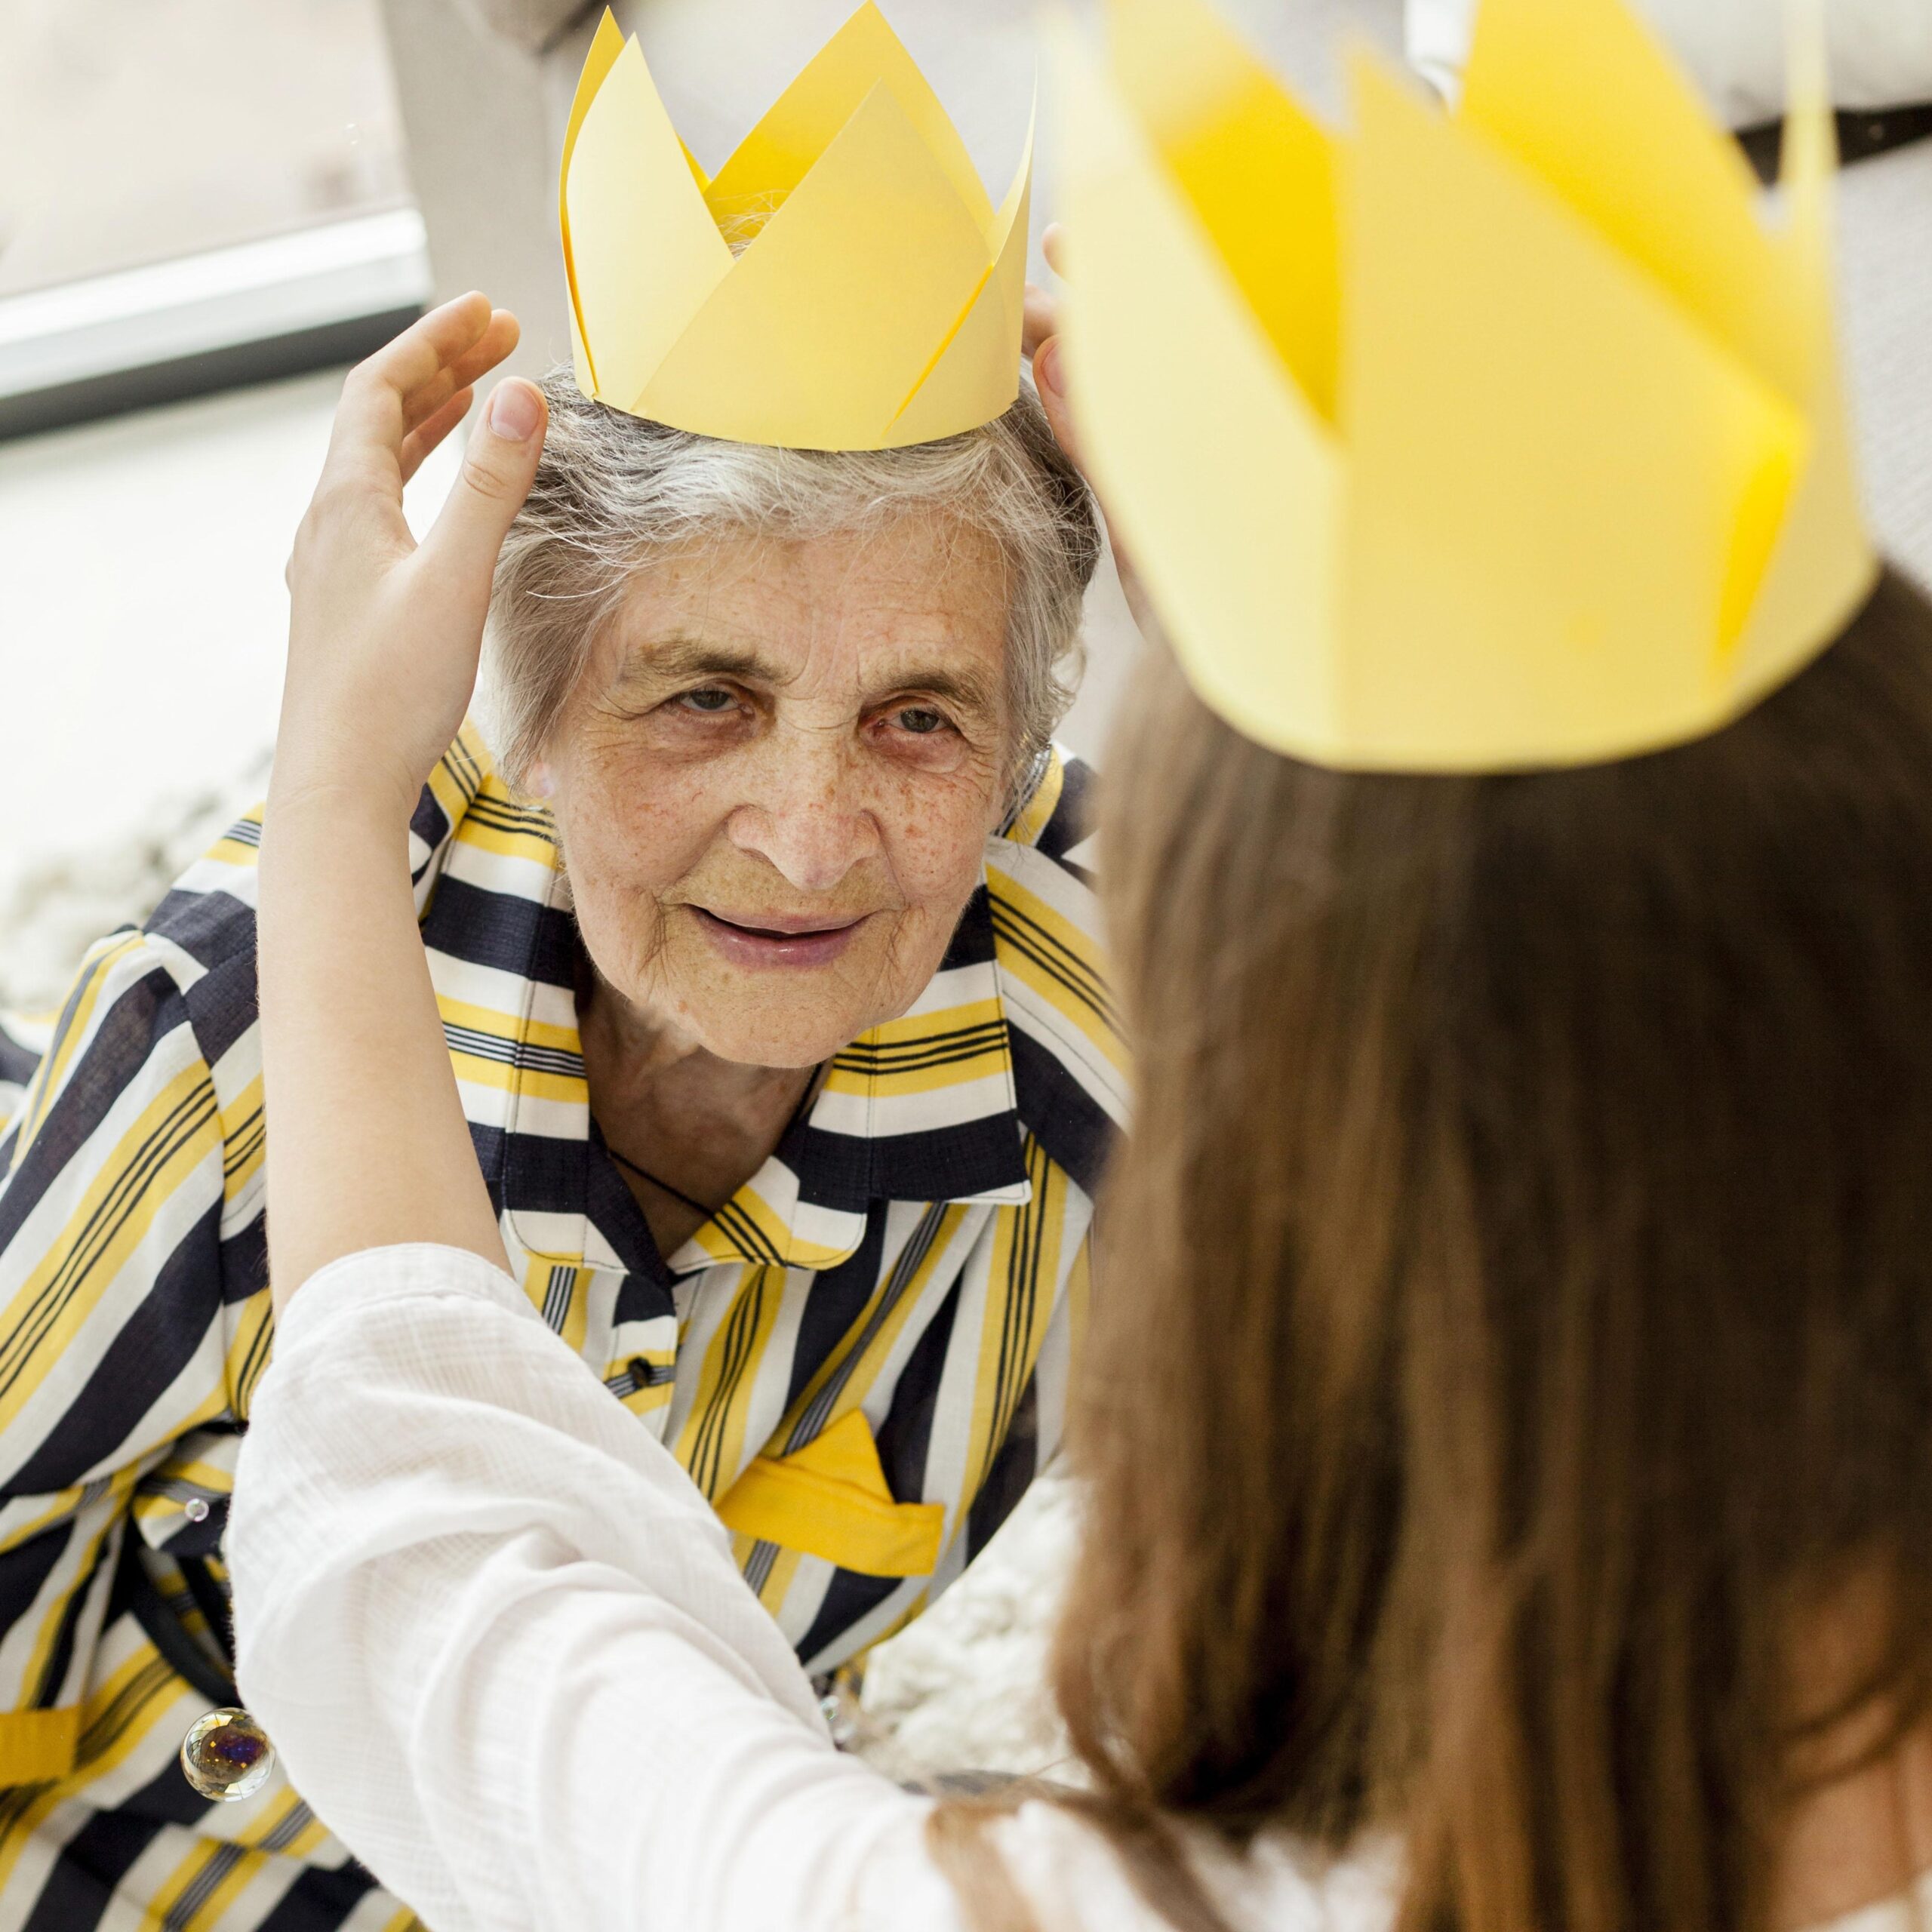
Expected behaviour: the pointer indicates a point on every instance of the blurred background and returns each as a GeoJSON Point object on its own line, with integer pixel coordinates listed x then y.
{"type": "Point", "coordinates": [208, 208]}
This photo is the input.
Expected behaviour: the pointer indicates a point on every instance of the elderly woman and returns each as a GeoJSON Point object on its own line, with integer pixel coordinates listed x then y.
{"type": "Point", "coordinates": [776, 1013]}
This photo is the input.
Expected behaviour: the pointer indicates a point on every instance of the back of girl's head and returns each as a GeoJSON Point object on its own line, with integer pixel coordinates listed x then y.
{"type": "Point", "coordinates": [1514, 1364]}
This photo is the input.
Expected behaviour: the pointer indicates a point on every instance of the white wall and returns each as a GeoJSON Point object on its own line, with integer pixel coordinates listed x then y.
{"type": "Point", "coordinates": [142, 615]}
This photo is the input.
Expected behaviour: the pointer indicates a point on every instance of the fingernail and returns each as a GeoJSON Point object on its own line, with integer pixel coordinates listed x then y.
{"type": "Point", "coordinates": [514, 411]}
{"type": "Point", "coordinates": [1046, 365]}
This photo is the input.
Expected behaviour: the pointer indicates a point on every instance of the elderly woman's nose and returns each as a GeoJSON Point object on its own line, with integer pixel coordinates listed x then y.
{"type": "Point", "coordinates": [811, 820]}
{"type": "Point", "coordinates": [813, 842]}
{"type": "Point", "coordinates": [807, 809]}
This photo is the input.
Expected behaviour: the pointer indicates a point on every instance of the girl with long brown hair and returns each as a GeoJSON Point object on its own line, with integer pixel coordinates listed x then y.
{"type": "Point", "coordinates": [1507, 1423]}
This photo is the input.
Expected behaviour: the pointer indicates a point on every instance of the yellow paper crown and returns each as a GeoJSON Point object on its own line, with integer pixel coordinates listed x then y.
{"type": "Point", "coordinates": [1509, 439]}
{"type": "Point", "coordinates": [875, 296]}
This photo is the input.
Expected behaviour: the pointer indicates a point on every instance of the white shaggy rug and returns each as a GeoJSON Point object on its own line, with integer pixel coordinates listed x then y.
{"type": "Point", "coordinates": [963, 1689]}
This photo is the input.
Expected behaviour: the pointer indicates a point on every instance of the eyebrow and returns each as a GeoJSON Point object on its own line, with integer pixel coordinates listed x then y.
{"type": "Point", "coordinates": [673, 659]}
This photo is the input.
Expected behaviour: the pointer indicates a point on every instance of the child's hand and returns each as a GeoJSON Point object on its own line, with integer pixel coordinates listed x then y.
{"type": "Point", "coordinates": [384, 635]}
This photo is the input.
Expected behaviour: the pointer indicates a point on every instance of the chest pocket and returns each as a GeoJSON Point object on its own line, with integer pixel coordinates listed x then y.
{"type": "Point", "coordinates": [830, 1500]}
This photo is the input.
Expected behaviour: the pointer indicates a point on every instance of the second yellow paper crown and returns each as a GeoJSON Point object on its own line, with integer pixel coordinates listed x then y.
{"type": "Point", "coordinates": [843, 282]}
{"type": "Point", "coordinates": [1459, 443]}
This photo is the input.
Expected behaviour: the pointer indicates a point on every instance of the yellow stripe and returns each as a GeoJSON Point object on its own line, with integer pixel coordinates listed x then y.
{"type": "Point", "coordinates": [1024, 1271]}
{"type": "Point", "coordinates": [1079, 1292]}
{"type": "Point", "coordinates": [778, 1583]}
{"type": "Point", "coordinates": [127, 1192]}
{"type": "Point", "coordinates": [886, 1060]}
{"type": "Point", "coordinates": [711, 1444]}
{"type": "Point", "coordinates": [725, 1237]}
{"type": "Point", "coordinates": [164, 1901]}
{"type": "Point", "coordinates": [240, 852]}
{"type": "Point", "coordinates": [536, 846]}
{"type": "Point", "coordinates": [865, 1371]}
{"type": "Point", "coordinates": [119, 1715]}
{"type": "Point", "coordinates": [24, 1812]}
{"type": "Point", "coordinates": [89, 1558]}
{"type": "Point", "coordinates": [35, 1745]}
{"type": "Point", "coordinates": [508, 1027]}
{"type": "Point", "coordinates": [248, 1352]}
{"type": "Point", "coordinates": [577, 1313]}
{"type": "Point", "coordinates": [204, 1476]}
{"type": "Point", "coordinates": [271, 1819]}
{"type": "Point", "coordinates": [571, 1088]}
{"type": "Point", "coordinates": [56, 1508]}
{"type": "Point", "coordinates": [245, 1139]}
{"type": "Point", "coordinates": [917, 1028]}
{"type": "Point", "coordinates": [461, 772]}
{"type": "Point", "coordinates": [1039, 809]}
{"type": "Point", "coordinates": [1069, 951]}
{"type": "Point", "coordinates": [990, 1062]}
{"type": "Point", "coordinates": [646, 1401]}
{"type": "Point", "coordinates": [798, 1508]}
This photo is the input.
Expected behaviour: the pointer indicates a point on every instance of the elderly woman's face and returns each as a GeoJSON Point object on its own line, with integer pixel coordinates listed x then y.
{"type": "Point", "coordinates": [775, 783]}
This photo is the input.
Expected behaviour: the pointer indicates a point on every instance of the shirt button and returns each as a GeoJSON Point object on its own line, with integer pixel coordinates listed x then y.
{"type": "Point", "coordinates": [195, 1510]}
{"type": "Point", "coordinates": [227, 1755]}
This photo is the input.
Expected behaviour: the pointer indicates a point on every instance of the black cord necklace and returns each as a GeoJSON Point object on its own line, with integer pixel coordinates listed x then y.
{"type": "Point", "coordinates": [677, 1194]}
{"type": "Point", "coordinates": [663, 1186]}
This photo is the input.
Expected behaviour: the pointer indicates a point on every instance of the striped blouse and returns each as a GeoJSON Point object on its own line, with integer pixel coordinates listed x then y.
{"type": "Point", "coordinates": [862, 1358]}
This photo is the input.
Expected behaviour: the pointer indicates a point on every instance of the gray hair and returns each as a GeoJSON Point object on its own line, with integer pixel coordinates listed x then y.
{"type": "Point", "coordinates": [615, 492]}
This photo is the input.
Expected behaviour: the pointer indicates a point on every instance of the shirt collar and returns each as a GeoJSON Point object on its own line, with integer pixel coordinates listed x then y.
{"type": "Point", "coordinates": [922, 1108]}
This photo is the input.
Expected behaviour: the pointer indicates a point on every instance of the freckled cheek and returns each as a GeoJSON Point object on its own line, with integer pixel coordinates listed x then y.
{"type": "Point", "coordinates": [643, 832]}
{"type": "Point", "coordinates": [937, 840]}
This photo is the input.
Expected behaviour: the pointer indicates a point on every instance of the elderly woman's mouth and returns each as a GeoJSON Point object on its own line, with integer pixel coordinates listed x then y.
{"type": "Point", "coordinates": [775, 940]}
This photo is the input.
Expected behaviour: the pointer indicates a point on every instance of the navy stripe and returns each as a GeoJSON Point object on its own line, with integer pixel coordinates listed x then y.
{"type": "Point", "coordinates": [17, 1061]}
{"type": "Point", "coordinates": [949, 1163]}
{"type": "Point", "coordinates": [1077, 1132]}
{"type": "Point", "coordinates": [933, 1050]}
{"type": "Point", "coordinates": [45, 1694]}
{"type": "Point", "coordinates": [81, 1885]}
{"type": "Point", "coordinates": [511, 1052]}
{"type": "Point", "coordinates": [838, 1299]}
{"type": "Point", "coordinates": [245, 1260]}
{"type": "Point", "coordinates": [499, 815]}
{"type": "Point", "coordinates": [1072, 819]}
{"type": "Point", "coordinates": [905, 1437]}
{"type": "Point", "coordinates": [181, 1128]}
{"type": "Point", "coordinates": [143, 1015]}
{"type": "Point", "coordinates": [225, 1003]}
{"type": "Point", "coordinates": [906, 1267]}
{"type": "Point", "coordinates": [155, 1343]}
{"type": "Point", "coordinates": [972, 941]}
{"type": "Point", "coordinates": [1060, 963]}
{"type": "Point", "coordinates": [321, 1900]}
{"type": "Point", "coordinates": [1014, 1469]}
{"type": "Point", "coordinates": [498, 929]}
{"type": "Point", "coordinates": [848, 1597]}
{"type": "Point", "coordinates": [212, 927]}
{"type": "Point", "coordinates": [25, 1569]}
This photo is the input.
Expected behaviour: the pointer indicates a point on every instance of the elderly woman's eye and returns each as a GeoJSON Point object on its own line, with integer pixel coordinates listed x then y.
{"type": "Point", "coordinates": [712, 699]}
{"type": "Point", "coordinates": [920, 719]}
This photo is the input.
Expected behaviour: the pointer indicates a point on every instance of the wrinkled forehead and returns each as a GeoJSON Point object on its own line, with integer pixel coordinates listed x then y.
{"type": "Point", "coordinates": [909, 602]}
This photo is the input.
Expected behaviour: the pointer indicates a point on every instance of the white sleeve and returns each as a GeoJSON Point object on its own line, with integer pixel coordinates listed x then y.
{"type": "Point", "coordinates": [498, 1639]}
{"type": "Point", "coordinates": [1880, 49]}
